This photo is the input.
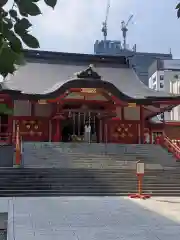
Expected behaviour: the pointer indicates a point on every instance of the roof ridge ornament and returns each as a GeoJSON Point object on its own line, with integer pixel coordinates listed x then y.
{"type": "Point", "coordinates": [89, 73]}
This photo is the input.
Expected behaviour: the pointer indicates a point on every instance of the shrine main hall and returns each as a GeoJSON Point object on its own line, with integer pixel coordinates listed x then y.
{"type": "Point", "coordinates": [54, 95]}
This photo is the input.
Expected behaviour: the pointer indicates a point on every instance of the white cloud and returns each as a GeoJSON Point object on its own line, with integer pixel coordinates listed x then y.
{"type": "Point", "coordinates": [74, 25]}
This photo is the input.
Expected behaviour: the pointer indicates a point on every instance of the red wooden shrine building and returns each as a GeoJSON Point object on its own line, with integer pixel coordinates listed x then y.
{"type": "Point", "coordinates": [54, 94]}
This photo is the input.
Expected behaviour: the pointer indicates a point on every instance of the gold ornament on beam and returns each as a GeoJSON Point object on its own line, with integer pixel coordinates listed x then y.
{"type": "Point", "coordinates": [31, 133]}
{"type": "Point", "coordinates": [122, 135]}
{"type": "Point", "coordinates": [130, 135]}
{"type": "Point", "coordinates": [36, 127]}
{"type": "Point", "coordinates": [131, 104]}
{"type": "Point", "coordinates": [88, 90]}
{"type": "Point", "coordinates": [115, 135]}
{"type": "Point", "coordinates": [28, 126]}
{"type": "Point", "coordinates": [42, 101]}
{"type": "Point", "coordinates": [119, 129]}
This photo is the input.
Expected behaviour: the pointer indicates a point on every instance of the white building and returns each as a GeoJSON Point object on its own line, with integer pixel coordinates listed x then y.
{"type": "Point", "coordinates": [164, 75]}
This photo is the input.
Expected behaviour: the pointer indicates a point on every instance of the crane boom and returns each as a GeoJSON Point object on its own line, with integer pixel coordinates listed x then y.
{"type": "Point", "coordinates": [124, 30]}
{"type": "Point", "coordinates": [129, 20]}
{"type": "Point", "coordinates": [107, 11]}
{"type": "Point", "coordinates": [104, 27]}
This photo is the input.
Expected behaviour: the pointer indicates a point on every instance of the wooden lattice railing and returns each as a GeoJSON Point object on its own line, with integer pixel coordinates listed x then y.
{"type": "Point", "coordinates": [167, 143]}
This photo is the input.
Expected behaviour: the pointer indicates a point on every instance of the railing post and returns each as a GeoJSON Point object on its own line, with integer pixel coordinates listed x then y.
{"type": "Point", "coordinates": [17, 147]}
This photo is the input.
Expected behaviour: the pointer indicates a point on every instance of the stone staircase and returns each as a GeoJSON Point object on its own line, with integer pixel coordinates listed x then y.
{"type": "Point", "coordinates": [72, 169]}
{"type": "Point", "coordinates": [85, 182]}
{"type": "Point", "coordinates": [83, 155]}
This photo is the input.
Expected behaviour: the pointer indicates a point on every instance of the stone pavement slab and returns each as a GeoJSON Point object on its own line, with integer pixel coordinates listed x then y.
{"type": "Point", "coordinates": [91, 218]}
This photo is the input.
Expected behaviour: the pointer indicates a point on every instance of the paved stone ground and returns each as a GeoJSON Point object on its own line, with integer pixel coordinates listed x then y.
{"type": "Point", "coordinates": [79, 218]}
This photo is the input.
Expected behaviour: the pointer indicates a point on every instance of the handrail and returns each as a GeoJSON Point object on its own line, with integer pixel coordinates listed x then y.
{"type": "Point", "coordinates": [173, 148]}
{"type": "Point", "coordinates": [171, 143]}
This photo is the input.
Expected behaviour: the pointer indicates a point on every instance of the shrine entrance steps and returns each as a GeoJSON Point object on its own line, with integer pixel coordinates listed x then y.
{"type": "Point", "coordinates": [94, 155]}
{"type": "Point", "coordinates": [71, 169]}
{"type": "Point", "coordinates": [36, 182]}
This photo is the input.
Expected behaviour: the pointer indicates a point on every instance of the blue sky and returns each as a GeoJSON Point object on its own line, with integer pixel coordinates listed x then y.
{"type": "Point", "coordinates": [74, 25]}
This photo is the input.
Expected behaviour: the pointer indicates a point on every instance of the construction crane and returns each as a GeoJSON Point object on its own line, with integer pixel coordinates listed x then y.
{"type": "Point", "coordinates": [124, 30]}
{"type": "Point", "coordinates": [104, 27]}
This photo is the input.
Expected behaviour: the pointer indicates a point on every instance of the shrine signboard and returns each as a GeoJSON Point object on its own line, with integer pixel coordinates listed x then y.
{"type": "Point", "coordinates": [140, 168]}
{"type": "Point", "coordinates": [88, 90]}
{"type": "Point", "coordinates": [43, 101]}
{"type": "Point", "coordinates": [131, 104]}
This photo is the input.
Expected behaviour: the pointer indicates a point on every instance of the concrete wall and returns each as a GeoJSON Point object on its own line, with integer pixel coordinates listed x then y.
{"type": "Point", "coordinates": [166, 81]}
{"type": "Point", "coordinates": [153, 81]}
{"type": "Point", "coordinates": [6, 155]}
{"type": "Point", "coordinates": [171, 84]}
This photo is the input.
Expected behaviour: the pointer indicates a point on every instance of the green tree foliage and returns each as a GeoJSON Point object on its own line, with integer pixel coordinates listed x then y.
{"type": "Point", "coordinates": [14, 31]}
{"type": "Point", "coordinates": [178, 10]}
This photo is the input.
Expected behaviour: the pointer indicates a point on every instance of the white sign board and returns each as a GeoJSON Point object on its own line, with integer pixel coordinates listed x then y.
{"type": "Point", "coordinates": [140, 168]}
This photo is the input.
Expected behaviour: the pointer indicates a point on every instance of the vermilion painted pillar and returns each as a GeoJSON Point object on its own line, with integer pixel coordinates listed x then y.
{"type": "Point", "coordinates": [10, 122]}
{"type": "Point", "coordinates": [57, 135]}
{"type": "Point", "coordinates": [164, 124]}
{"type": "Point", "coordinates": [100, 131]}
{"type": "Point", "coordinates": [18, 147]}
{"type": "Point", "coordinates": [122, 114]}
{"type": "Point", "coordinates": [60, 133]}
{"type": "Point", "coordinates": [141, 124]}
{"type": "Point", "coordinates": [150, 135]}
{"type": "Point", "coordinates": [33, 104]}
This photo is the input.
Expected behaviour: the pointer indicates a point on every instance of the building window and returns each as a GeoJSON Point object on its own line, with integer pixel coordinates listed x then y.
{"type": "Point", "coordinates": [161, 77]}
{"type": "Point", "coordinates": [176, 76]}
{"type": "Point", "coordinates": [154, 87]}
{"type": "Point", "coordinates": [154, 79]}
{"type": "Point", "coordinates": [161, 85]}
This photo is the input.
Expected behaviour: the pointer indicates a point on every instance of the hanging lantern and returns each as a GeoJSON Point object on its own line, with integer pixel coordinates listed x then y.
{"type": "Point", "coordinates": [69, 114]}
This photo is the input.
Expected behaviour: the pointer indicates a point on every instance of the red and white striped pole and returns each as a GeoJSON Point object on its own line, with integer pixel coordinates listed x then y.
{"type": "Point", "coordinates": [17, 147]}
{"type": "Point", "coordinates": [140, 175]}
